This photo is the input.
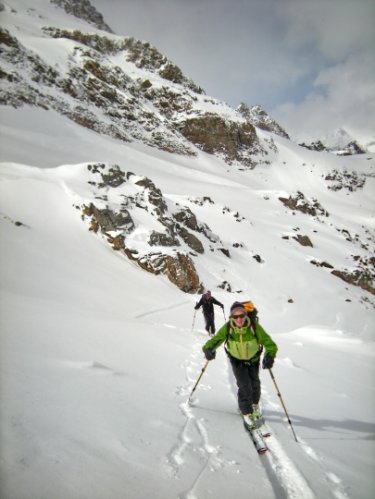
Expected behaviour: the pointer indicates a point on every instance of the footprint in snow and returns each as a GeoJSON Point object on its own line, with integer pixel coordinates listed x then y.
{"type": "Point", "coordinates": [101, 367]}
{"type": "Point", "coordinates": [298, 343]}
{"type": "Point", "coordinates": [288, 363]}
{"type": "Point", "coordinates": [94, 366]}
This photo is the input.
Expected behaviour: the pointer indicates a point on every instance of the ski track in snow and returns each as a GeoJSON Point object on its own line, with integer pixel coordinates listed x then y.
{"type": "Point", "coordinates": [288, 474]}
{"type": "Point", "coordinates": [331, 479]}
{"type": "Point", "coordinates": [291, 480]}
{"type": "Point", "coordinates": [158, 310]}
{"type": "Point", "coordinates": [193, 438]}
{"type": "Point", "coordinates": [285, 476]}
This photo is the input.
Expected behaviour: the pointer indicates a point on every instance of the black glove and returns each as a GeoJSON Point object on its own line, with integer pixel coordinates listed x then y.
{"type": "Point", "coordinates": [267, 362]}
{"type": "Point", "coordinates": [210, 353]}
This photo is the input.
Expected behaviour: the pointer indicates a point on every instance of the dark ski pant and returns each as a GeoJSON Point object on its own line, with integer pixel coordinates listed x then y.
{"type": "Point", "coordinates": [248, 382]}
{"type": "Point", "coordinates": [209, 319]}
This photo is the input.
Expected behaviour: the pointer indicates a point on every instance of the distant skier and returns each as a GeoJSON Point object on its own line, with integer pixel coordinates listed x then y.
{"type": "Point", "coordinates": [207, 303]}
{"type": "Point", "coordinates": [243, 346]}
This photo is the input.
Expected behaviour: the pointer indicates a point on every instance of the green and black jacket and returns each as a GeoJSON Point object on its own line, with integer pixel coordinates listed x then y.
{"type": "Point", "coordinates": [242, 343]}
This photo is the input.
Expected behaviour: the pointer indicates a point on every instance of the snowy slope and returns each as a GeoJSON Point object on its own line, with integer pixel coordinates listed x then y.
{"type": "Point", "coordinates": [99, 357]}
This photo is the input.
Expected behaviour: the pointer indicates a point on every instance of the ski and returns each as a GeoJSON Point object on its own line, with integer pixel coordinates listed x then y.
{"type": "Point", "coordinates": [264, 428]}
{"type": "Point", "coordinates": [257, 438]}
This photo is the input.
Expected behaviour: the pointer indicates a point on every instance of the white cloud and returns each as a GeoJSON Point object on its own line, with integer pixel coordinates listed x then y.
{"type": "Point", "coordinates": [335, 28]}
{"type": "Point", "coordinates": [343, 95]}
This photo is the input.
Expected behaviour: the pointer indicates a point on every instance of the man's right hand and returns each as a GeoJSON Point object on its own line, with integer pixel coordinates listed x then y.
{"type": "Point", "coordinates": [210, 353]}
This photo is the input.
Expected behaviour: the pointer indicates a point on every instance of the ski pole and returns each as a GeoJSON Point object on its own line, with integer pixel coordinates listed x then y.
{"type": "Point", "coordinates": [282, 403]}
{"type": "Point", "coordinates": [192, 326]}
{"type": "Point", "coordinates": [198, 380]}
{"type": "Point", "coordinates": [224, 316]}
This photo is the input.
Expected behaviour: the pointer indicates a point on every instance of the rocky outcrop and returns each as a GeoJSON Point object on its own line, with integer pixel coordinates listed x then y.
{"type": "Point", "coordinates": [362, 276]}
{"type": "Point", "coordinates": [321, 264]}
{"type": "Point", "coordinates": [107, 220]}
{"type": "Point", "coordinates": [179, 269]}
{"type": "Point", "coordinates": [17, 223]}
{"type": "Point", "coordinates": [358, 277]}
{"type": "Point", "coordinates": [315, 146]}
{"type": "Point", "coordinates": [300, 203]}
{"type": "Point", "coordinates": [258, 117]}
{"type": "Point", "coordinates": [93, 92]}
{"type": "Point", "coordinates": [351, 181]}
{"type": "Point", "coordinates": [303, 240]}
{"type": "Point", "coordinates": [234, 141]}
{"type": "Point", "coordinates": [146, 56]}
{"type": "Point", "coordinates": [83, 10]}
{"type": "Point", "coordinates": [351, 148]}
{"type": "Point", "coordinates": [169, 251]}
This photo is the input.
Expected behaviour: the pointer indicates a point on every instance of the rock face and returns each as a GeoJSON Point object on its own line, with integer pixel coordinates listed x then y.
{"type": "Point", "coordinates": [352, 148]}
{"type": "Point", "coordinates": [257, 116]}
{"type": "Point", "coordinates": [83, 10]}
{"type": "Point", "coordinates": [358, 277]}
{"type": "Point", "coordinates": [171, 249]}
{"type": "Point", "coordinates": [107, 220]}
{"type": "Point", "coordinates": [348, 149]}
{"type": "Point", "coordinates": [315, 146]}
{"type": "Point", "coordinates": [179, 269]}
{"type": "Point", "coordinates": [300, 203]}
{"type": "Point", "coordinates": [304, 240]}
{"type": "Point", "coordinates": [232, 140]}
{"type": "Point", "coordinates": [351, 181]}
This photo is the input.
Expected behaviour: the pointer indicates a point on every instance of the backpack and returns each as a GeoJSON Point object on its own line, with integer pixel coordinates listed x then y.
{"type": "Point", "coordinates": [252, 312]}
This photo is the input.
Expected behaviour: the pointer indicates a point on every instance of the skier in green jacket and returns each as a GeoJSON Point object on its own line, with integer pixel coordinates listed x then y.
{"type": "Point", "coordinates": [244, 346]}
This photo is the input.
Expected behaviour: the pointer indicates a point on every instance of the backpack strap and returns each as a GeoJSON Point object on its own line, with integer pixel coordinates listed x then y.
{"type": "Point", "coordinates": [229, 331]}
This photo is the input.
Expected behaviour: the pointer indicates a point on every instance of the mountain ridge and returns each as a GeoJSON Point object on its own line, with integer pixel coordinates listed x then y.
{"type": "Point", "coordinates": [122, 95]}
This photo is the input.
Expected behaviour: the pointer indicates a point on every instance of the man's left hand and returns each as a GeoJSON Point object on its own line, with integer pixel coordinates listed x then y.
{"type": "Point", "coordinates": [267, 362]}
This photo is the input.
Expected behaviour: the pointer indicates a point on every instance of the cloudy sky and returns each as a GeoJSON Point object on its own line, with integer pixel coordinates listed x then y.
{"type": "Point", "coordinates": [311, 65]}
